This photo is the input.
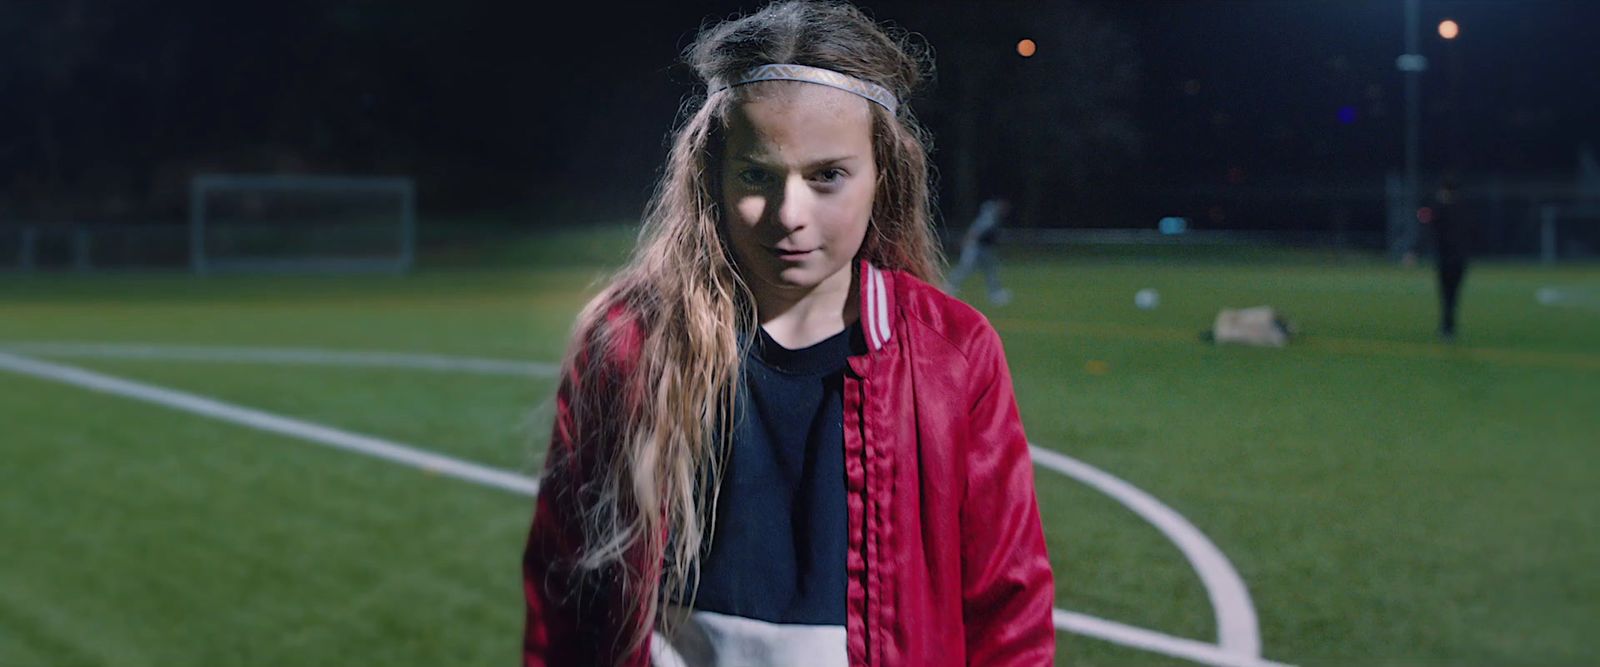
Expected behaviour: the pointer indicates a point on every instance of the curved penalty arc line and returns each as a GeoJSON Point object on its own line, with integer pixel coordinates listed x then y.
{"type": "Point", "coordinates": [1238, 631]}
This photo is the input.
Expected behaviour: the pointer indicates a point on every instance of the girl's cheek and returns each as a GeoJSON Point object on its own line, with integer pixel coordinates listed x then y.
{"type": "Point", "coordinates": [749, 209]}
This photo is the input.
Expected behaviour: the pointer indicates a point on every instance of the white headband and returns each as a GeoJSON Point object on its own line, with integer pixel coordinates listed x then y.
{"type": "Point", "coordinates": [826, 77]}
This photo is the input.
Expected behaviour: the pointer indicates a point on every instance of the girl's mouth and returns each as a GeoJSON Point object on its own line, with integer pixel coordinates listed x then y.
{"type": "Point", "coordinates": [790, 254]}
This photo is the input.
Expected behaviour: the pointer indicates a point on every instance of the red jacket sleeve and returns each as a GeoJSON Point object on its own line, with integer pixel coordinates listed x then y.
{"type": "Point", "coordinates": [553, 636]}
{"type": "Point", "coordinates": [1008, 590]}
{"type": "Point", "coordinates": [573, 618]}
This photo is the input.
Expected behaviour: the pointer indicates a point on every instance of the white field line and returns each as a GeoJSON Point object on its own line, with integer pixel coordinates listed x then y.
{"type": "Point", "coordinates": [1155, 642]}
{"type": "Point", "coordinates": [1572, 297]}
{"type": "Point", "coordinates": [265, 421]}
{"type": "Point", "coordinates": [288, 355]}
{"type": "Point", "coordinates": [1236, 621]}
{"type": "Point", "coordinates": [1237, 630]}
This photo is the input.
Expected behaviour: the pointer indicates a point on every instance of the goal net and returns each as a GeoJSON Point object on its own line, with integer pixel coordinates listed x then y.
{"type": "Point", "coordinates": [1569, 232]}
{"type": "Point", "coordinates": [301, 224]}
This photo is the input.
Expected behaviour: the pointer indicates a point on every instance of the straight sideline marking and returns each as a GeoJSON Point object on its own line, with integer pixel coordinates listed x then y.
{"type": "Point", "coordinates": [1569, 297]}
{"type": "Point", "coordinates": [271, 423]}
{"type": "Point", "coordinates": [1238, 637]}
{"type": "Point", "coordinates": [286, 355]}
{"type": "Point", "coordinates": [1318, 343]}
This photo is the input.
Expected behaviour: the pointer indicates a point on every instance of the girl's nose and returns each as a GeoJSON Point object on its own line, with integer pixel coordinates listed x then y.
{"type": "Point", "coordinates": [794, 212]}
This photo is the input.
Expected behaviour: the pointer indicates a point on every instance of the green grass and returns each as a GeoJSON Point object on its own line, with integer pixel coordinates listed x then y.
{"type": "Point", "coordinates": [1387, 499]}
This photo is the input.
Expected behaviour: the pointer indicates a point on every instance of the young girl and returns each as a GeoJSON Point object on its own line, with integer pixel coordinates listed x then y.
{"type": "Point", "coordinates": [776, 443]}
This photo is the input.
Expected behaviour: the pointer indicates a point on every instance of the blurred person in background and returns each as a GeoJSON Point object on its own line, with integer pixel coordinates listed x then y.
{"type": "Point", "coordinates": [1452, 246]}
{"type": "Point", "coordinates": [977, 251]}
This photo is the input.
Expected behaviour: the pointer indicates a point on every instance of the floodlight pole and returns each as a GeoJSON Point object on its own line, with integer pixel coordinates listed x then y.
{"type": "Point", "coordinates": [1413, 64]}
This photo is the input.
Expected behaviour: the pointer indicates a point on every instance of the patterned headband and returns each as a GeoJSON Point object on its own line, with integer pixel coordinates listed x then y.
{"type": "Point", "coordinates": [826, 77]}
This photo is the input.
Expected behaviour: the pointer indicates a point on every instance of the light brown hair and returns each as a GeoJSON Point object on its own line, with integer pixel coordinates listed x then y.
{"type": "Point", "coordinates": [689, 307]}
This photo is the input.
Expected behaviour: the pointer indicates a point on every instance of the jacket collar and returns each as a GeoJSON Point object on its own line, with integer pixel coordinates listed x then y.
{"type": "Point", "coordinates": [877, 304]}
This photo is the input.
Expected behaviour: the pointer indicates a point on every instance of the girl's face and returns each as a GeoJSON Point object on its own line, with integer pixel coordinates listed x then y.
{"type": "Point", "coordinates": [798, 179]}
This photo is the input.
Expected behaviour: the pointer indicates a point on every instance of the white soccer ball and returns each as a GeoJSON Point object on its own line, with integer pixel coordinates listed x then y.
{"type": "Point", "coordinates": [1147, 298]}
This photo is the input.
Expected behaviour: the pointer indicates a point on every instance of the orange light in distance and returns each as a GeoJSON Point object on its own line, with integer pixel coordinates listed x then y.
{"type": "Point", "coordinates": [1448, 29]}
{"type": "Point", "coordinates": [1026, 48]}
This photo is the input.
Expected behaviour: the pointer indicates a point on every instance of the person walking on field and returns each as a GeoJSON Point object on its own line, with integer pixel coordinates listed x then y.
{"type": "Point", "coordinates": [977, 251]}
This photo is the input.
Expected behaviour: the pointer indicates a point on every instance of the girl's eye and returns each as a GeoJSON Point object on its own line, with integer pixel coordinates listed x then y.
{"type": "Point", "coordinates": [829, 175]}
{"type": "Point", "coordinates": [754, 177]}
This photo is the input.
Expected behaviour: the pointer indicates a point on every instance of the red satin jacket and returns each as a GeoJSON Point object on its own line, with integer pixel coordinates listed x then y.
{"type": "Point", "coordinates": [947, 562]}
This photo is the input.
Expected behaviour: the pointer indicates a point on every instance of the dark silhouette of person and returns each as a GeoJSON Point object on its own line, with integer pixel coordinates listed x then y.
{"type": "Point", "coordinates": [1452, 247]}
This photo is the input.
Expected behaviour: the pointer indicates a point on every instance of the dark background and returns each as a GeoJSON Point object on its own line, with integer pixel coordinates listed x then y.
{"type": "Point", "coordinates": [558, 114]}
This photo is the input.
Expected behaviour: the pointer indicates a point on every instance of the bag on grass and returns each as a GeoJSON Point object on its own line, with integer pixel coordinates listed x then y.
{"type": "Point", "coordinates": [1261, 325]}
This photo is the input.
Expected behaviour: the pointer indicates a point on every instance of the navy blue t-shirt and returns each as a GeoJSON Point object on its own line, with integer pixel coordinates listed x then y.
{"type": "Point", "coordinates": [779, 551]}
{"type": "Point", "coordinates": [778, 554]}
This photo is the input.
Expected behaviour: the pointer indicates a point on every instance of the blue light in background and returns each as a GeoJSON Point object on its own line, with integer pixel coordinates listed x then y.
{"type": "Point", "coordinates": [1347, 115]}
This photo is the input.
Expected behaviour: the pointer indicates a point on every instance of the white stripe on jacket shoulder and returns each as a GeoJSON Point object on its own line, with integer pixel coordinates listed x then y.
{"type": "Point", "coordinates": [875, 308]}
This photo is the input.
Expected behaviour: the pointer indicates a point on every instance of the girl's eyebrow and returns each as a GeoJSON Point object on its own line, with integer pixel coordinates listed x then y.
{"type": "Point", "coordinates": [814, 164]}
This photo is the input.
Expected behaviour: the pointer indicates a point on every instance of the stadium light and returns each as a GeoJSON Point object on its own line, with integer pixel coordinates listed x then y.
{"type": "Point", "coordinates": [1449, 29]}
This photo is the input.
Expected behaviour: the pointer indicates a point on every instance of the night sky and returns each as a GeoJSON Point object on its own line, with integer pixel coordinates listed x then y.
{"type": "Point", "coordinates": [110, 105]}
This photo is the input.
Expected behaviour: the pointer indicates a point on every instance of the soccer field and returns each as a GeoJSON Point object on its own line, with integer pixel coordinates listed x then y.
{"type": "Point", "coordinates": [328, 470]}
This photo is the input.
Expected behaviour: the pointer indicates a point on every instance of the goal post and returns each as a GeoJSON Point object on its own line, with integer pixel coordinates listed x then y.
{"type": "Point", "coordinates": [301, 224]}
{"type": "Point", "coordinates": [1568, 231]}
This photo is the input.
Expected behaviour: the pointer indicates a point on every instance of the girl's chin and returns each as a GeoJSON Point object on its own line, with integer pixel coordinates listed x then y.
{"type": "Point", "coordinates": [801, 278]}
{"type": "Point", "coordinates": [816, 276]}
{"type": "Point", "coordinates": [796, 277]}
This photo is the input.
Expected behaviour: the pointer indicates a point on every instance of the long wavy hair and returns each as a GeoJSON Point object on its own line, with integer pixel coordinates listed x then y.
{"type": "Point", "coordinates": [668, 430]}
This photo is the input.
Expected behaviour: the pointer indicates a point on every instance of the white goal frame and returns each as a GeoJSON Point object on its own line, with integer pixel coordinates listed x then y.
{"type": "Point", "coordinates": [202, 186]}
